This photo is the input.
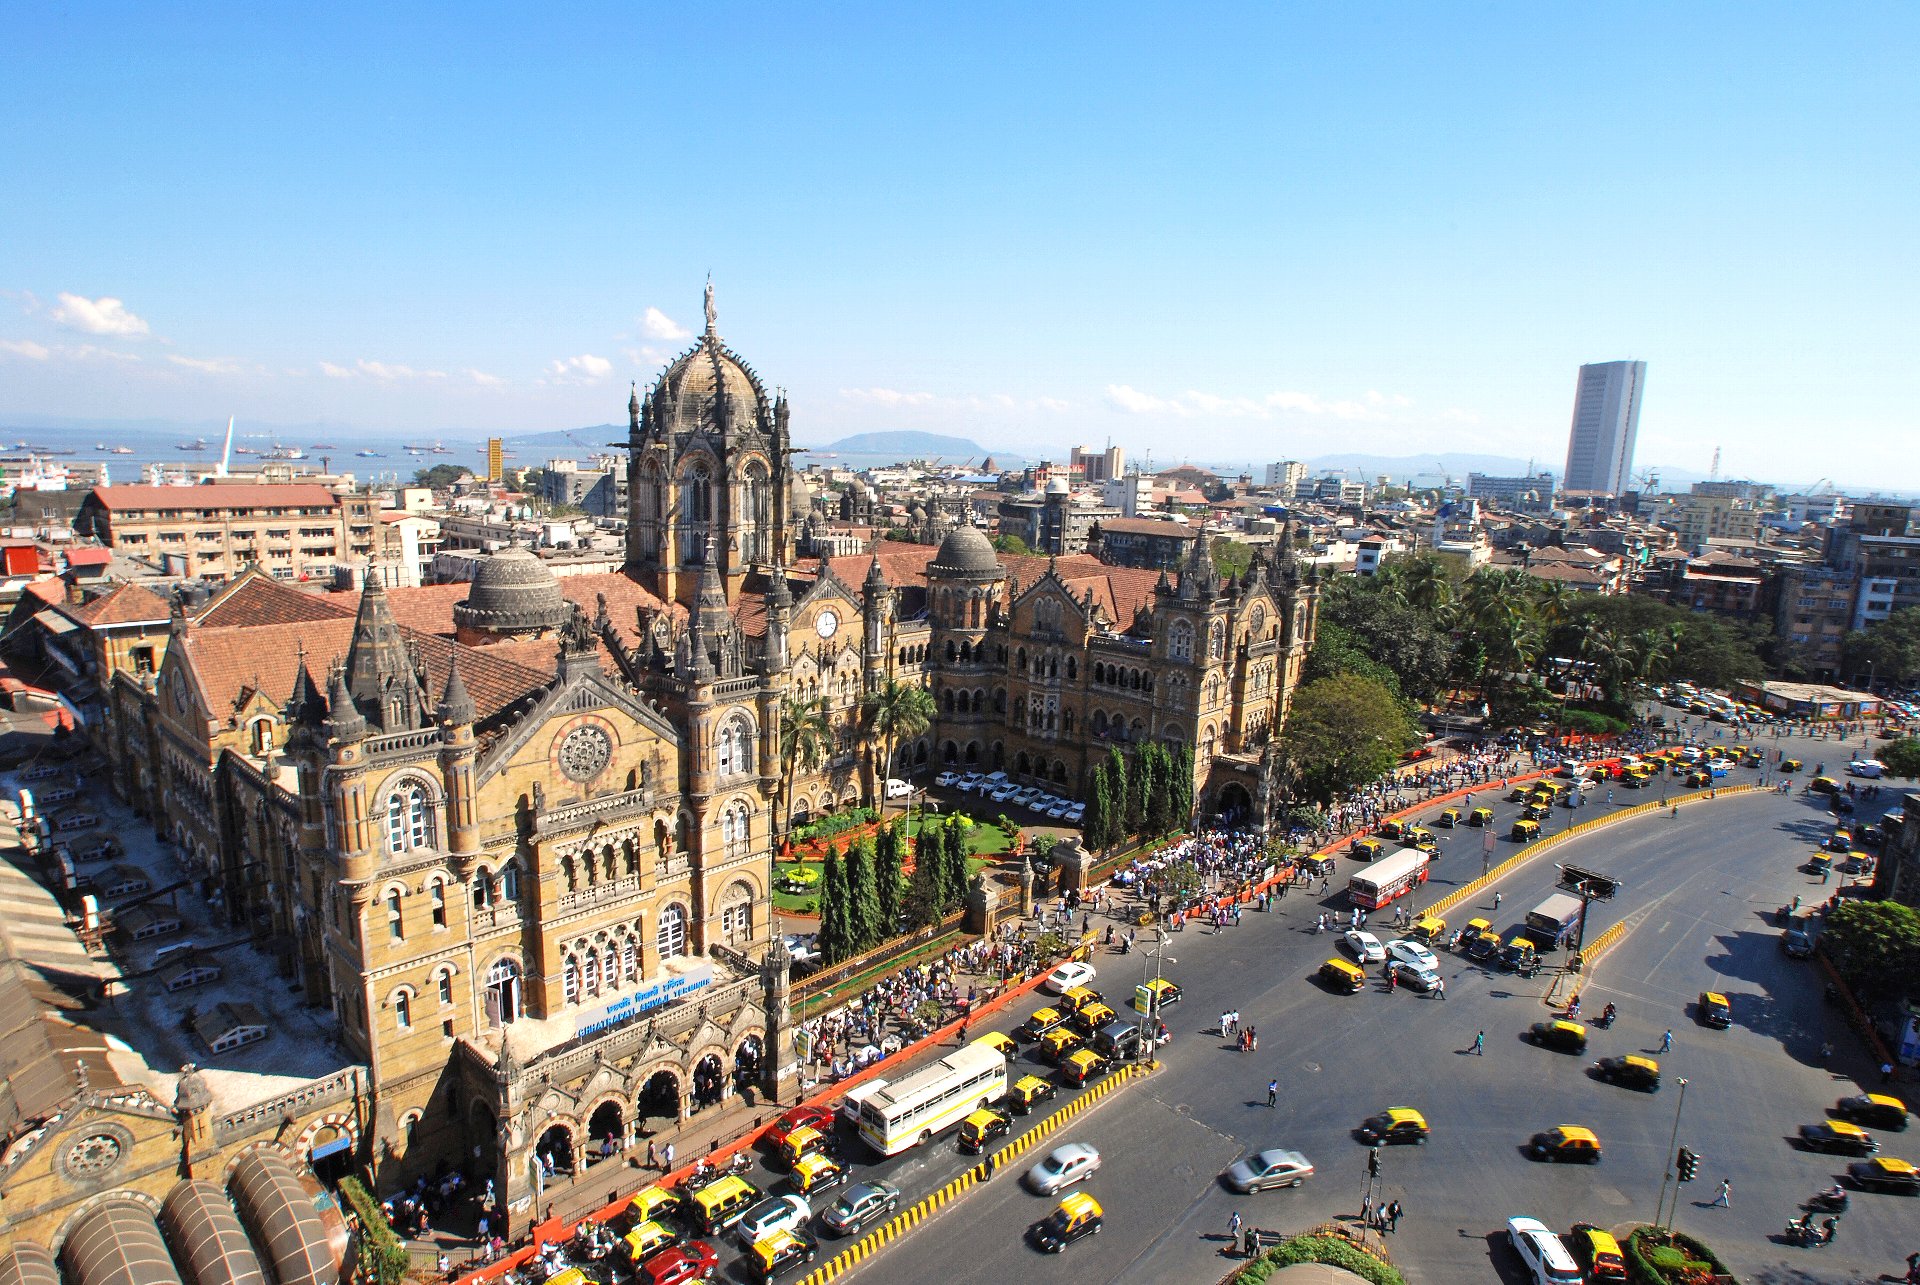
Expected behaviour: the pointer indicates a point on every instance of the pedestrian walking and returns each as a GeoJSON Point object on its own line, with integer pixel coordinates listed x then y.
{"type": "Point", "coordinates": [1233, 1226]}
{"type": "Point", "coordinates": [1366, 1211]}
{"type": "Point", "coordinates": [653, 1155]}
{"type": "Point", "coordinates": [1496, 899]}
{"type": "Point", "coordinates": [1723, 1200]}
{"type": "Point", "coordinates": [666, 1158]}
{"type": "Point", "coordinates": [1273, 1093]}
{"type": "Point", "coordinates": [1666, 1041]}
{"type": "Point", "coordinates": [1480, 1044]}
{"type": "Point", "coordinates": [1440, 989]}
{"type": "Point", "coordinates": [1393, 1217]}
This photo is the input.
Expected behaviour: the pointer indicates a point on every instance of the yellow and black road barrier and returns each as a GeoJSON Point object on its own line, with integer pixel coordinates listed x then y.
{"type": "Point", "coordinates": [913, 1215]}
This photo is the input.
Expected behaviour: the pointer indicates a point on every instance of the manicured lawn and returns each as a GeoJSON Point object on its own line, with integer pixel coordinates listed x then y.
{"type": "Point", "coordinates": [984, 844]}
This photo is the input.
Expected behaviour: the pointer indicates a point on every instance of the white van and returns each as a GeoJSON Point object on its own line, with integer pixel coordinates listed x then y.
{"type": "Point", "coordinates": [1872, 769]}
{"type": "Point", "coordinates": [898, 789]}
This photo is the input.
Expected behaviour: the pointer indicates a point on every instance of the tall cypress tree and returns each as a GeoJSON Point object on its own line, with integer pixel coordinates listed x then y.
{"type": "Point", "coordinates": [1159, 767]}
{"type": "Point", "coordinates": [923, 888]}
{"type": "Point", "coordinates": [955, 852]}
{"type": "Point", "coordinates": [1182, 793]}
{"type": "Point", "coordinates": [1116, 795]}
{"type": "Point", "coordinates": [863, 900]}
{"type": "Point", "coordinates": [888, 886]}
{"type": "Point", "coordinates": [833, 914]}
{"type": "Point", "coordinates": [1139, 783]}
{"type": "Point", "coordinates": [1093, 825]}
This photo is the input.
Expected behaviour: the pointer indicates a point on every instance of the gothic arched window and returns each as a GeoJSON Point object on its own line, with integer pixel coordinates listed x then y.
{"type": "Point", "coordinates": [409, 818]}
{"type": "Point", "coordinates": [1180, 640]}
{"type": "Point", "coordinates": [735, 746]}
{"type": "Point", "coordinates": [672, 936]}
{"type": "Point", "coordinates": [736, 829]}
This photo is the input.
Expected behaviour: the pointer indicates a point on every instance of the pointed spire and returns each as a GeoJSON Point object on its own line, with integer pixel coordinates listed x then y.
{"type": "Point", "coordinates": [456, 707]}
{"type": "Point", "coordinates": [344, 721]}
{"type": "Point", "coordinates": [306, 707]}
{"type": "Point", "coordinates": [381, 673]}
{"type": "Point", "coordinates": [779, 592]}
{"type": "Point", "coordinates": [876, 576]}
{"type": "Point", "coordinates": [713, 315]}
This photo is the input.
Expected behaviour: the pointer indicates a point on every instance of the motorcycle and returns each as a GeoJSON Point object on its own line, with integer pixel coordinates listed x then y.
{"type": "Point", "coordinates": [1803, 1232]}
{"type": "Point", "coordinates": [1829, 1200]}
{"type": "Point", "coordinates": [1606, 1016]}
{"type": "Point", "coordinates": [741, 1164]}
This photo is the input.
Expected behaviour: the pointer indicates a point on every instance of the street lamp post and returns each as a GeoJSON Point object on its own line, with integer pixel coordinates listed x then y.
{"type": "Point", "coordinates": [1158, 954]}
{"type": "Point", "coordinates": [1673, 1145]}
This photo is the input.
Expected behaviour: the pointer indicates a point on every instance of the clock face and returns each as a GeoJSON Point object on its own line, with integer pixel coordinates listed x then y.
{"type": "Point", "coordinates": [584, 753]}
{"type": "Point", "coordinates": [826, 623]}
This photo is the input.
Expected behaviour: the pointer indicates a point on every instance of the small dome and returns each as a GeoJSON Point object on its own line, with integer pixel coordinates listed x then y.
{"type": "Point", "coordinates": [1058, 486]}
{"type": "Point", "coordinates": [966, 550]}
{"type": "Point", "coordinates": [513, 592]}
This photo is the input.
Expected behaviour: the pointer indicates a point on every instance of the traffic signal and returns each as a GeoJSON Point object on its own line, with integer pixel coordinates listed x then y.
{"type": "Point", "coordinates": [1373, 1162]}
{"type": "Point", "coordinates": [1688, 1164]}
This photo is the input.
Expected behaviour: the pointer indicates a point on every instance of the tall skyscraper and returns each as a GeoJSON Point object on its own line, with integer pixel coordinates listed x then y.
{"type": "Point", "coordinates": [1606, 417]}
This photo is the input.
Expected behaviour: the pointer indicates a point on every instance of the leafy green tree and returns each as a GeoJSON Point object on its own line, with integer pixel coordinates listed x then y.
{"type": "Point", "coordinates": [1157, 765]}
{"type": "Point", "coordinates": [1342, 733]}
{"type": "Point", "coordinates": [1118, 796]}
{"type": "Point", "coordinates": [1902, 757]}
{"type": "Point", "coordinates": [1095, 826]}
{"type": "Point", "coordinates": [953, 854]}
{"type": "Point", "coordinates": [833, 939]}
{"type": "Point", "coordinates": [1139, 790]}
{"type": "Point", "coordinates": [1875, 946]}
{"type": "Point", "coordinates": [865, 927]}
{"type": "Point", "coordinates": [1889, 649]}
{"type": "Point", "coordinates": [889, 886]}
{"type": "Point", "coordinates": [1336, 651]}
{"type": "Point", "coordinates": [805, 739]}
{"type": "Point", "coordinates": [1010, 544]}
{"type": "Point", "coordinates": [894, 712]}
{"type": "Point", "coordinates": [1405, 640]}
{"type": "Point", "coordinates": [441, 476]}
{"type": "Point", "coordinates": [1230, 557]}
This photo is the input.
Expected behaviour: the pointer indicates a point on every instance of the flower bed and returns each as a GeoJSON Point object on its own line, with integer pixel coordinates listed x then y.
{"type": "Point", "coordinates": [1656, 1258]}
{"type": "Point", "coordinates": [1325, 1245]}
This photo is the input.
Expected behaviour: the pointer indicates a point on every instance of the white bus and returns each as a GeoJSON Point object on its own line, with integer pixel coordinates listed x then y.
{"type": "Point", "coordinates": [921, 1104]}
{"type": "Point", "coordinates": [1388, 879]}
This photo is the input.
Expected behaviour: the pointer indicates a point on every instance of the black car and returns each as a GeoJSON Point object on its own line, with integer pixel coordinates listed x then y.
{"type": "Point", "coordinates": [859, 1205]}
{"type": "Point", "coordinates": [1630, 1072]}
{"type": "Point", "coordinates": [1840, 1138]}
{"type": "Point", "coordinates": [1567, 1037]}
{"type": "Point", "coordinates": [1884, 1173]}
{"type": "Point", "coordinates": [1797, 942]}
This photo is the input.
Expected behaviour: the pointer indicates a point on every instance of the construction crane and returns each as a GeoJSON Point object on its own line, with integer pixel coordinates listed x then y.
{"type": "Point", "coordinates": [1821, 486]}
{"type": "Point", "coordinates": [1647, 481]}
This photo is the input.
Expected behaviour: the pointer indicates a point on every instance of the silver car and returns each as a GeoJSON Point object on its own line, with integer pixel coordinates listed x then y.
{"type": "Point", "coordinates": [1264, 1169]}
{"type": "Point", "coordinates": [1063, 1166]}
{"type": "Point", "coordinates": [776, 1213]}
{"type": "Point", "coordinates": [1412, 952]}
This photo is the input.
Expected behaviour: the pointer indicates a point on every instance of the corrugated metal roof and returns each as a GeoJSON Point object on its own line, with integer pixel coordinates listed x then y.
{"type": "Point", "coordinates": [28, 1264]}
{"type": "Point", "coordinates": [279, 1211]}
{"type": "Point", "coordinates": [119, 1244]}
{"type": "Point", "coordinates": [199, 1221]}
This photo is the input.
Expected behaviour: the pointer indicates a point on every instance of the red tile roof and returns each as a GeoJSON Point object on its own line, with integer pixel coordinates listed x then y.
{"type": "Point", "coordinates": [124, 605]}
{"type": "Point", "coordinates": [257, 599]}
{"type": "Point", "coordinates": [236, 495]}
{"type": "Point", "coordinates": [89, 557]}
{"type": "Point", "coordinates": [1148, 526]}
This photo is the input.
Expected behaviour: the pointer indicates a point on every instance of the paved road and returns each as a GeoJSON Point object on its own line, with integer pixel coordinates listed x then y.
{"type": "Point", "coordinates": [1696, 888]}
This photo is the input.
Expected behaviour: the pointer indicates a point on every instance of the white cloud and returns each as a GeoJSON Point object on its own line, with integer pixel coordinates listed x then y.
{"type": "Point", "coordinates": [206, 365]}
{"type": "Point", "coordinates": [582, 369]}
{"type": "Point", "coordinates": [485, 380]}
{"type": "Point", "coordinates": [390, 371]}
{"type": "Point", "coordinates": [332, 371]}
{"type": "Point", "coordinates": [24, 348]}
{"type": "Point", "coordinates": [885, 396]}
{"type": "Point", "coordinates": [658, 325]}
{"type": "Point", "coordinates": [103, 316]}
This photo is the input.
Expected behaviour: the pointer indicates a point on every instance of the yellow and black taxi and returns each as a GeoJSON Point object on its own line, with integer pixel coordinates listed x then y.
{"type": "Point", "coordinates": [1083, 1065]}
{"type": "Point", "coordinates": [1042, 1021]}
{"type": "Point", "coordinates": [1449, 817]}
{"type": "Point", "coordinates": [1823, 785]}
{"type": "Point", "coordinates": [1000, 1043]}
{"type": "Point", "coordinates": [1367, 848]}
{"type": "Point", "coordinates": [1525, 830]}
{"type": "Point", "coordinates": [816, 1171]}
{"type": "Point", "coordinates": [1597, 1253]}
{"type": "Point", "coordinates": [1093, 1017]}
{"type": "Point", "coordinates": [1537, 810]}
{"type": "Point", "coordinates": [1151, 997]}
{"type": "Point", "coordinates": [1418, 836]}
{"type": "Point", "coordinates": [1629, 1072]}
{"type": "Point", "coordinates": [1714, 1010]}
{"type": "Point", "coordinates": [1482, 817]}
{"type": "Point", "coordinates": [1752, 758]}
{"type": "Point", "coordinates": [648, 1238]}
{"type": "Point", "coordinates": [1698, 780]}
{"type": "Point", "coordinates": [1075, 998]}
{"type": "Point", "coordinates": [1428, 929]}
{"type": "Point", "coordinates": [802, 1142]}
{"type": "Point", "coordinates": [780, 1252]}
{"type": "Point", "coordinates": [1838, 1137]}
{"type": "Point", "coordinates": [1391, 829]}
{"type": "Point", "coordinates": [980, 1128]}
{"type": "Point", "coordinates": [1396, 1124]}
{"type": "Point", "coordinates": [720, 1204]}
{"type": "Point", "coordinates": [1876, 1109]}
{"type": "Point", "coordinates": [1077, 1215]}
{"type": "Point", "coordinates": [1482, 944]}
{"type": "Point", "coordinates": [1791, 765]}
{"type": "Point", "coordinates": [654, 1203]}
{"type": "Point", "coordinates": [1342, 977]}
{"type": "Point", "coordinates": [1559, 1034]}
{"type": "Point", "coordinates": [1568, 1143]}
{"type": "Point", "coordinates": [1885, 1173]}
{"type": "Point", "coordinates": [1819, 863]}
{"type": "Point", "coordinates": [1839, 841]}
{"type": "Point", "coordinates": [1519, 956]}
{"type": "Point", "coordinates": [1057, 1043]}
{"type": "Point", "coordinates": [1028, 1092]}
{"type": "Point", "coordinates": [1518, 794]}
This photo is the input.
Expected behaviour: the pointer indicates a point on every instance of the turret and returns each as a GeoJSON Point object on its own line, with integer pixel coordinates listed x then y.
{"type": "Point", "coordinates": [457, 750]}
{"type": "Point", "coordinates": [779, 602]}
{"type": "Point", "coordinates": [381, 671]}
{"type": "Point", "coordinates": [344, 722]}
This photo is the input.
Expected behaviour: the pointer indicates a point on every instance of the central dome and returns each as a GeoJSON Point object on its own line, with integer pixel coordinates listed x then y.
{"type": "Point", "coordinates": [966, 551]}
{"type": "Point", "coordinates": [513, 592]}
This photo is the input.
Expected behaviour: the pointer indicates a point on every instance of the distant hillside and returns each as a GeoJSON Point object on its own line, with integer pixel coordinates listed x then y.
{"type": "Point", "coordinates": [903, 445]}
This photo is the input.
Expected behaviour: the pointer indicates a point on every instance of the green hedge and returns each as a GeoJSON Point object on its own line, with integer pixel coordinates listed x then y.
{"type": "Point", "coordinates": [383, 1259]}
{"type": "Point", "coordinates": [1318, 1249]}
{"type": "Point", "coordinates": [1593, 723]}
{"type": "Point", "coordinates": [828, 826]}
{"type": "Point", "coordinates": [1685, 1262]}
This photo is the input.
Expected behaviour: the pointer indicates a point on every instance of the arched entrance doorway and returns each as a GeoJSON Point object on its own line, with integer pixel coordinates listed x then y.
{"type": "Point", "coordinates": [747, 1061]}
{"type": "Point", "coordinates": [707, 1079]}
{"type": "Point", "coordinates": [503, 991]}
{"type": "Point", "coordinates": [606, 1132]}
{"type": "Point", "coordinates": [555, 1150]}
{"type": "Point", "coordinates": [331, 1153]}
{"type": "Point", "coordinates": [482, 1140]}
{"type": "Point", "coordinates": [658, 1099]}
{"type": "Point", "coordinates": [1235, 804]}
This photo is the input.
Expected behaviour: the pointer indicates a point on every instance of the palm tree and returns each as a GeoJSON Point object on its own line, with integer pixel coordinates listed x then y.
{"type": "Point", "coordinates": [892, 712]}
{"type": "Point", "coordinates": [806, 738]}
{"type": "Point", "coordinates": [1423, 584]}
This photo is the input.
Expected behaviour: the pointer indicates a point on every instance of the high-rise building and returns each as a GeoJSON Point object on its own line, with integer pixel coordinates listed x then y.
{"type": "Point", "coordinates": [1097, 465]}
{"type": "Point", "coordinates": [1606, 416]}
{"type": "Point", "coordinates": [1286, 474]}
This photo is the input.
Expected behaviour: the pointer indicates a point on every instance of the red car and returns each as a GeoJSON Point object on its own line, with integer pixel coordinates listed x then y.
{"type": "Point", "coordinates": [693, 1261]}
{"type": "Point", "coordinates": [820, 1118]}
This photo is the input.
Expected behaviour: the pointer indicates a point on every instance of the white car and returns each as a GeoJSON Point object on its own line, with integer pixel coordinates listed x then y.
{"type": "Point", "coordinates": [1059, 810]}
{"type": "Point", "coordinates": [1412, 952]}
{"type": "Point", "coordinates": [1365, 946]}
{"type": "Point", "coordinates": [1869, 768]}
{"type": "Point", "coordinates": [1002, 793]}
{"type": "Point", "coordinates": [1076, 813]}
{"type": "Point", "coordinates": [1063, 1166]}
{"type": "Point", "coordinates": [946, 779]}
{"type": "Point", "coordinates": [1546, 1258]}
{"type": "Point", "coordinates": [775, 1213]}
{"type": "Point", "coordinates": [1416, 976]}
{"type": "Point", "coordinates": [1069, 975]}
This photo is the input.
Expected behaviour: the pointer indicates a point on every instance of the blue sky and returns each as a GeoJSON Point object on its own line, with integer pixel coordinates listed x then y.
{"type": "Point", "coordinates": [1213, 232]}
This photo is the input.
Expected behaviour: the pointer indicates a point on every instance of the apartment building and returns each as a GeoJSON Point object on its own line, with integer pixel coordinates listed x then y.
{"type": "Point", "coordinates": [292, 530]}
{"type": "Point", "coordinates": [1815, 611]}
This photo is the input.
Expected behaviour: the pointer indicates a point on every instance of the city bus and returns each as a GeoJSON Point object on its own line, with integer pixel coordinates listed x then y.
{"type": "Point", "coordinates": [1388, 879]}
{"type": "Point", "coordinates": [922, 1103]}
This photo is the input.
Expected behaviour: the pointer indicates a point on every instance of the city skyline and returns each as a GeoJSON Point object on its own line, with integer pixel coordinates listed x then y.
{"type": "Point", "coordinates": [1330, 232]}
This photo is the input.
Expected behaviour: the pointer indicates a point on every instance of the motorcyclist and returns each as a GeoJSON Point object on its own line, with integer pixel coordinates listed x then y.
{"type": "Point", "coordinates": [1606, 1014]}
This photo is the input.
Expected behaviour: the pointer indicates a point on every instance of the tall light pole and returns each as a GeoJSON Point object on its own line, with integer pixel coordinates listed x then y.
{"type": "Point", "coordinates": [1158, 954]}
{"type": "Point", "coordinates": [1673, 1145]}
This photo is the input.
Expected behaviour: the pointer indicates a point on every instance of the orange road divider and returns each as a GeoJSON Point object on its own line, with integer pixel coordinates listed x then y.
{"type": "Point", "coordinates": [871, 1243]}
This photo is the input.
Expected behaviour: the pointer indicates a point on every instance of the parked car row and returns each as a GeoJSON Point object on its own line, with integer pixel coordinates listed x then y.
{"type": "Point", "coordinates": [997, 787]}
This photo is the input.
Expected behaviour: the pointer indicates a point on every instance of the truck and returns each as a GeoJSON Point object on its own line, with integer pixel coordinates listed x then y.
{"type": "Point", "coordinates": [1554, 921]}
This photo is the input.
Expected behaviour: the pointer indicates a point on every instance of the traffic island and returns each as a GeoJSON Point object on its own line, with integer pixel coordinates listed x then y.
{"type": "Point", "coordinates": [1657, 1257]}
{"type": "Point", "coordinates": [1331, 1245]}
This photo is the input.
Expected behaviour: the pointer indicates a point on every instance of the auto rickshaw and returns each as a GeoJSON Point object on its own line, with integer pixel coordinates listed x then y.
{"type": "Point", "coordinates": [1449, 817]}
{"type": "Point", "coordinates": [1043, 1021]}
{"type": "Point", "coordinates": [1081, 1066]}
{"type": "Point", "coordinates": [1028, 1092]}
{"type": "Point", "coordinates": [801, 1143]}
{"type": "Point", "coordinates": [981, 1127]}
{"type": "Point", "coordinates": [649, 1238]}
{"type": "Point", "coordinates": [1429, 930]}
{"type": "Point", "coordinates": [1092, 1018]}
{"type": "Point", "coordinates": [1525, 830]}
{"type": "Point", "coordinates": [1482, 817]}
{"type": "Point", "coordinates": [815, 1172]}
{"type": "Point", "coordinates": [1058, 1042]}
{"type": "Point", "coordinates": [1001, 1044]}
